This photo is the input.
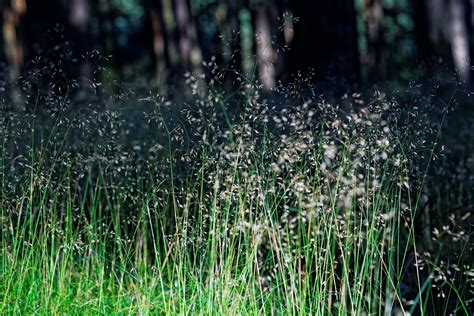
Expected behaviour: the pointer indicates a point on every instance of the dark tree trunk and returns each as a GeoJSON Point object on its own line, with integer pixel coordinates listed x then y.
{"type": "Point", "coordinates": [325, 39]}
{"type": "Point", "coordinates": [80, 23]}
{"type": "Point", "coordinates": [436, 21]}
{"type": "Point", "coordinates": [377, 54]}
{"type": "Point", "coordinates": [232, 59]}
{"type": "Point", "coordinates": [160, 58]}
{"type": "Point", "coordinates": [171, 34]}
{"type": "Point", "coordinates": [283, 33]}
{"type": "Point", "coordinates": [109, 37]}
{"type": "Point", "coordinates": [191, 55]}
{"type": "Point", "coordinates": [422, 29]}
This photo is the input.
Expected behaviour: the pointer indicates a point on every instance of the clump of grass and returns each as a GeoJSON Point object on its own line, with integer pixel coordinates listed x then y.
{"type": "Point", "coordinates": [231, 205]}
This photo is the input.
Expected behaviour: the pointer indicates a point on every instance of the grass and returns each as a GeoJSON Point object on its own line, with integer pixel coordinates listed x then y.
{"type": "Point", "coordinates": [299, 211]}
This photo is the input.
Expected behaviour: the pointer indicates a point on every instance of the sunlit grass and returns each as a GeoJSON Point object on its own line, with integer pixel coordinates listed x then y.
{"type": "Point", "coordinates": [297, 212]}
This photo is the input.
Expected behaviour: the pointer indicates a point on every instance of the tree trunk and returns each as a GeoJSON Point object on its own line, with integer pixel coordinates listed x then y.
{"type": "Point", "coordinates": [459, 39]}
{"type": "Point", "coordinates": [159, 41]}
{"type": "Point", "coordinates": [79, 18]}
{"type": "Point", "coordinates": [470, 6]}
{"type": "Point", "coordinates": [13, 13]}
{"type": "Point", "coordinates": [266, 56]}
{"type": "Point", "coordinates": [377, 55]}
{"type": "Point", "coordinates": [230, 42]}
{"type": "Point", "coordinates": [446, 24]}
{"type": "Point", "coordinates": [191, 55]}
{"type": "Point", "coordinates": [436, 20]}
{"type": "Point", "coordinates": [422, 29]}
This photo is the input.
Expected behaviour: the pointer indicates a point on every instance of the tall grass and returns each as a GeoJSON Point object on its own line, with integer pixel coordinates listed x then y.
{"type": "Point", "coordinates": [306, 209]}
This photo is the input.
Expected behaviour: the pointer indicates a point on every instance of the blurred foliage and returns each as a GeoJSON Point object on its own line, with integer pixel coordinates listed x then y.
{"type": "Point", "coordinates": [398, 26]}
{"type": "Point", "coordinates": [130, 8]}
{"type": "Point", "coordinates": [226, 30]}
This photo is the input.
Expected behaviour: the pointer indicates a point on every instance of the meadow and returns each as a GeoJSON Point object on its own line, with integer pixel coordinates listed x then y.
{"type": "Point", "coordinates": [233, 204]}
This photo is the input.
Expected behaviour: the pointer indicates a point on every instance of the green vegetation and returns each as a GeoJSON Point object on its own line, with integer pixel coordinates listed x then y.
{"type": "Point", "coordinates": [151, 208]}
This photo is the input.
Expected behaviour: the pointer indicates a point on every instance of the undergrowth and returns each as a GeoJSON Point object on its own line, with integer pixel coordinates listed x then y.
{"type": "Point", "coordinates": [235, 204]}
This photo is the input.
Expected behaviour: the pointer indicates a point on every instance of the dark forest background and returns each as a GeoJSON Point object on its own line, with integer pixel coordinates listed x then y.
{"type": "Point", "coordinates": [345, 42]}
